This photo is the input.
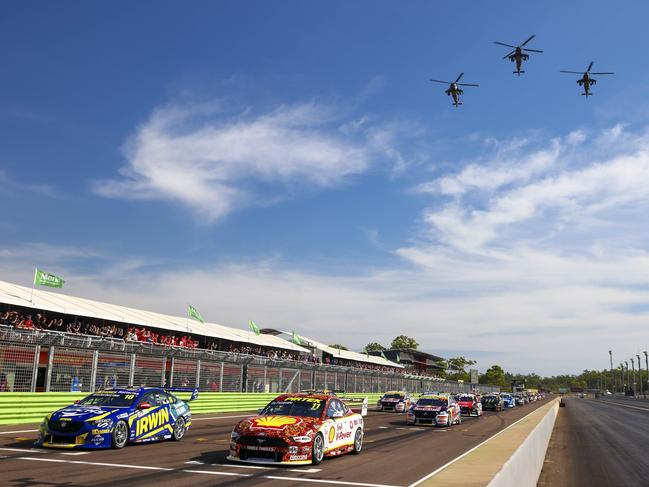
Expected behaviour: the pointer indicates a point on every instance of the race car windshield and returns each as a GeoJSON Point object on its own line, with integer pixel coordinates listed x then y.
{"type": "Point", "coordinates": [431, 402]}
{"type": "Point", "coordinates": [111, 400]}
{"type": "Point", "coordinates": [309, 407]}
{"type": "Point", "coordinates": [393, 396]}
{"type": "Point", "coordinates": [465, 398]}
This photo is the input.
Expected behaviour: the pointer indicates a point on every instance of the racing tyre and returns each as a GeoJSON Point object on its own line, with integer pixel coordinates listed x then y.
{"type": "Point", "coordinates": [358, 441]}
{"type": "Point", "coordinates": [459, 419]}
{"type": "Point", "coordinates": [317, 453]}
{"type": "Point", "coordinates": [119, 437]}
{"type": "Point", "coordinates": [179, 430]}
{"type": "Point", "coordinates": [448, 421]}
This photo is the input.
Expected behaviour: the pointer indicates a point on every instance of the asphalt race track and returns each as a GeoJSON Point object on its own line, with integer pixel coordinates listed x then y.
{"type": "Point", "coordinates": [393, 454]}
{"type": "Point", "coordinates": [599, 442]}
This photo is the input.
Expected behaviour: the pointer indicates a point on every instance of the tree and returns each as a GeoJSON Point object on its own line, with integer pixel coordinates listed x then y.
{"type": "Point", "coordinates": [339, 346]}
{"type": "Point", "coordinates": [495, 375]}
{"type": "Point", "coordinates": [402, 341]}
{"type": "Point", "coordinates": [456, 368]}
{"type": "Point", "coordinates": [374, 347]}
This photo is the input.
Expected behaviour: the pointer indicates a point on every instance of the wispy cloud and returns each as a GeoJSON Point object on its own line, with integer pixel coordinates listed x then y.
{"type": "Point", "coordinates": [214, 162]}
{"type": "Point", "coordinates": [12, 187]}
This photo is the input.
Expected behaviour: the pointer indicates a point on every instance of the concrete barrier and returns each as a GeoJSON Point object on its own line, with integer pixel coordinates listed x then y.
{"type": "Point", "coordinates": [31, 407]}
{"type": "Point", "coordinates": [512, 457]}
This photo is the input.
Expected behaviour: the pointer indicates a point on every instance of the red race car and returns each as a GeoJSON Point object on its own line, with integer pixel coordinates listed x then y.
{"type": "Point", "coordinates": [298, 429]}
{"type": "Point", "coordinates": [470, 404]}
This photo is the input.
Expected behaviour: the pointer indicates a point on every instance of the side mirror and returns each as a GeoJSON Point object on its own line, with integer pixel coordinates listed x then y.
{"type": "Point", "coordinates": [144, 405]}
{"type": "Point", "coordinates": [77, 401]}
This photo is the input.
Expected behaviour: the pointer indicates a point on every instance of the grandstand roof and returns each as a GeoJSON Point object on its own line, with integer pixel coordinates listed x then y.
{"type": "Point", "coordinates": [13, 294]}
{"type": "Point", "coordinates": [343, 354]}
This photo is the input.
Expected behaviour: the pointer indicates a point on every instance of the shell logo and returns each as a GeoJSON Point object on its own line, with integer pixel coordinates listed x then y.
{"type": "Point", "coordinates": [332, 434]}
{"type": "Point", "coordinates": [274, 421]}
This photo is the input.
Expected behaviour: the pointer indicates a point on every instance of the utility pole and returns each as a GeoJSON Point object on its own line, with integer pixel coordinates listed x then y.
{"type": "Point", "coordinates": [640, 373]}
{"type": "Point", "coordinates": [628, 379]}
{"type": "Point", "coordinates": [610, 356]}
{"type": "Point", "coordinates": [633, 369]}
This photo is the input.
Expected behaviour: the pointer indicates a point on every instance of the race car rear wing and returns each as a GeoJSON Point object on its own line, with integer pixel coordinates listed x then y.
{"type": "Point", "coordinates": [194, 391]}
{"type": "Point", "coordinates": [356, 404]}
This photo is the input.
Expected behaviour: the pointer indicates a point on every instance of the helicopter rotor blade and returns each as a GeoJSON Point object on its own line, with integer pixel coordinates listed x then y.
{"type": "Point", "coordinates": [601, 73]}
{"type": "Point", "coordinates": [503, 44]}
{"type": "Point", "coordinates": [590, 66]}
{"type": "Point", "coordinates": [467, 84]}
{"type": "Point", "coordinates": [572, 72]}
{"type": "Point", "coordinates": [532, 50]}
{"type": "Point", "coordinates": [440, 81]}
{"type": "Point", "coordinates": [528, 40]}
{"type": "Point", "coordinates": [505, 57]}
{"type": "Point", "coordinates": [458, 78]}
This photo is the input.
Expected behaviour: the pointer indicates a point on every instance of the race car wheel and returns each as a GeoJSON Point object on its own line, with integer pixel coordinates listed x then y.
{"type": "Point", "coordinates": [317, 453]}
{"type": "Point", "coordinates": [459, 419]}
{"type": "Point", "coordinates": [358, 442]}
{"type": "Point", "coordinates": [448, 421]}
{"type": "Point", "coordinates": [179, 430]}
{"type": "Point", "coordinates": [120, 435]}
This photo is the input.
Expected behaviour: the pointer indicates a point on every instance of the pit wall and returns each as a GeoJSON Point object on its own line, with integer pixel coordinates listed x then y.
{"type": "Point", "coordinates": [31, 407]}
{"type": "Point", "coordinates": [513, 457]}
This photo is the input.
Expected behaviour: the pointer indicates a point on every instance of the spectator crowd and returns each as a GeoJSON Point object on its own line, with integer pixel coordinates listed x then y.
{"type": "Point", "coordinates": [131, 333]}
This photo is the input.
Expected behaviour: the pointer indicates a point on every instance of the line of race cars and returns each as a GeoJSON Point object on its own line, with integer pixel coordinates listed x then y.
{"type": "Point", "coordinates": [293, 429]}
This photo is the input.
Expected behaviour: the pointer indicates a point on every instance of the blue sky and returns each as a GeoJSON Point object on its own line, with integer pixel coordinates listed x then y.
{"type": "Point", "coordinates": [290, 162]}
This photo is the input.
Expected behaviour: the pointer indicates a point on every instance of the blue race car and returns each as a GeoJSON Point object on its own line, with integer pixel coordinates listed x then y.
{"type": "Point", "coordinates": [115, 417]}
{"type": "Point", "coordinates": [508, 400]}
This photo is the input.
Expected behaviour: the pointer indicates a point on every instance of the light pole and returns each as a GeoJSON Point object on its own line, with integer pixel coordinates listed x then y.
{"type": "Point", "coordinates": [610, 356]}
{"type": "Point", "coordinates": [646, 363]}
{"type": "Point", "coordinates": [628, 378]}
{"type": "Point", "coordinates": [633, 370]}
{"type": "Point", "coordinates": [640, 372]}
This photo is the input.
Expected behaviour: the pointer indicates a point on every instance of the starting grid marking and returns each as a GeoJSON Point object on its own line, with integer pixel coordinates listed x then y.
{"type": "Point", "coordinates": [50, 452]}
{"type": "Point", "coordinates": [206, 472]}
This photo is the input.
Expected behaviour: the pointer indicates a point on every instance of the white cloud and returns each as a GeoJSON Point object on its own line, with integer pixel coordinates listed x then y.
{"type": "Point", "coordinates": [214, 163]}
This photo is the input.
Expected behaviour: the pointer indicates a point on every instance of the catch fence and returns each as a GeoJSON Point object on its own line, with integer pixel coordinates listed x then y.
{"type": "Point", "coordinates": [35, 361]}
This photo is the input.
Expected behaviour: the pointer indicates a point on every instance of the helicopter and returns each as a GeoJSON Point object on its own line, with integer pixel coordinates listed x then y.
{"type": "Point", "coordinates": [454, 88]}
{"type": "Point", "coordinates": [586, 81]}
{"type": "Point", "coordinates": [517, 54]}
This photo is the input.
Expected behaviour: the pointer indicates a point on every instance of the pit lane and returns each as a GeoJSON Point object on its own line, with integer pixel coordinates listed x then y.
{"type": "Point", "coordinates": [393, 455]}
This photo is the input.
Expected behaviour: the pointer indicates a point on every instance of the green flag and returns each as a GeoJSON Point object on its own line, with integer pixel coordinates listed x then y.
{"type": "Point", "coordinates": [254, 327]}
{"type": "Point", "coordinates": [296, 338]}
{"type": "Point", "coordinates": [398, 359]}
{"type": "Point", "coordinates": [44, 279]}
{"type": "Point", "coordinates": [383, 355]}
{"type": "Point", "coordinates": [194, 314]}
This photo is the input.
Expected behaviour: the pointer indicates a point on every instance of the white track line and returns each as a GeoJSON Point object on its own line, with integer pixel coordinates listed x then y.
{"type": "Point", "coordinates": [623, 405]}
{"type": "Point", "coordinates": [207, 472]}
{"type": "Point", "coordinates": [98, 464]}
{"type": "Point", "coordinates": [435, 472]}
{"type": "Point", "coordinates": [227, 474]}
{"type": "Point", "coordinates": [323, 481]}
{"type": "Point", "coordinates": [255, 467]}
{"type": "Point", "coordinates": [19, 431]}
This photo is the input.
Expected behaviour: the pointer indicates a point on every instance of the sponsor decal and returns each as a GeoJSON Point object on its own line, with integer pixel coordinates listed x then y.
{"type": "Point", "coordinates": [151, 421]}
{"type": "Point", "coordinates": [273, 422]}
{"type": "Point", "coordinates": [97, 440]}
{"type": "Point", "coordinates": [343, 435]}
{"type": "Point", "coordinates": [332, 435]}
{"type": "Point", "coordinates": [297, 457]}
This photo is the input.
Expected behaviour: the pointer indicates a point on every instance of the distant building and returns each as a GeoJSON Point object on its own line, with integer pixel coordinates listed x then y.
{"type": "Point", "coordinates": [415, 361]}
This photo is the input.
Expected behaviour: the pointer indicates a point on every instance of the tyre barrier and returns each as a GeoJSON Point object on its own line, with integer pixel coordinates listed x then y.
{"type": "Point", "coordinates": [31, 407]}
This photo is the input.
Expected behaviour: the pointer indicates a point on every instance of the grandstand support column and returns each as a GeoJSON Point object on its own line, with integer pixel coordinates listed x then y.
{"type": "Point", "coordinates": [171, 372]}
{"type": "Point", "coordinates": [93, 371]}
{"type": "Point", "coordinates": [221, 379]}
{"type": "Point", "coordinates": [326, 381]}
{"type": "Point", "coordinates": [163, 379]}
{"type": "Point", "coordinates": [265, 377]}
{"type": "Point", "coordinates": [37, 354]}
{"type": "Point", "coordinates": [243, 371]}
{"type": "Point", "coordinates": [50, 361]}
{"type": "Point", "coordinates": [299, 380]}
{"type": "Point", "coordinates": [198, 373]}
{"type": "Point", "coordinates": [279, 381]}
{"type": "Point", "coordinates": [131, 371]}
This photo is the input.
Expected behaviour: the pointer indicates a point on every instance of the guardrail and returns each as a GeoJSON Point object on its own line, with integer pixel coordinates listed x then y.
{"type": "Point", "coordinates": [27, 407]}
